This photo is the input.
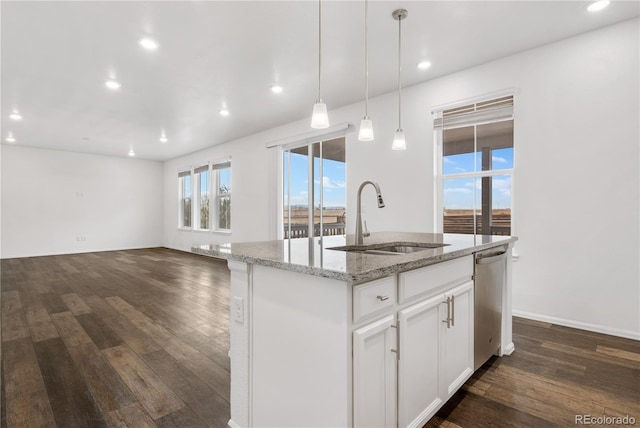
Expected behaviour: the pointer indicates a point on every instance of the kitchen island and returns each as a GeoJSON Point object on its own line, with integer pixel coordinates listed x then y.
{"type": "Point", "coordinates": [326, 337]}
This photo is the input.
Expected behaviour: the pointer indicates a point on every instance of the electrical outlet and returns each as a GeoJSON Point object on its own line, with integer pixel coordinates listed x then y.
{"type": "Point", "coordinates": [238, 309]}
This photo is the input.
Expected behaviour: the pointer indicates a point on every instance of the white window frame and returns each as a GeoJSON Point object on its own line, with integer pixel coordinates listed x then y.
{"type": "Point", "coordinates": [196, 175]}
{"type": "Point", "coordinates": [182, 174]}
{"type": "Point", "coordinates": [439, 177]}
{"type": "Point", "coordinates": [216, 196]}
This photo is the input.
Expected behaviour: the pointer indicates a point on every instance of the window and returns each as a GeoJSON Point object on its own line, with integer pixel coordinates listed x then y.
{"type": "Point", "coordinates": [202, 182]}
{"type": "Point", "coordinates": [222, 176]}
{"type": "Point", "coordinates": [314, 176]}
{"type": "Point", "coordinates": [184, 189]}
{"type": "Point", "coordinates": [474, 145]}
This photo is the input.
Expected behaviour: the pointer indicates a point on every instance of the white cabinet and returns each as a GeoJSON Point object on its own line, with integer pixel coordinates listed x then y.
{"type": "Point", "coordinates": [457, 340]}
{"type": "Point", "coordinates": [419, 389]}
{"type": "Point", "coordinates": [374, 374]}
{"type": "Point", "coordinates": [436, 353]}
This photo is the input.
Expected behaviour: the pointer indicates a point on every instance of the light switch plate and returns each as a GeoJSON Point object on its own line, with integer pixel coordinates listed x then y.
{"type": "Point", "coordinates": [238, 309]}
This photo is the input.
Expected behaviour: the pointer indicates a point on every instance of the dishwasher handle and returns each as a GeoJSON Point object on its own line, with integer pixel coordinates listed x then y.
{"type": "Point", "coordinates": [491, 259]}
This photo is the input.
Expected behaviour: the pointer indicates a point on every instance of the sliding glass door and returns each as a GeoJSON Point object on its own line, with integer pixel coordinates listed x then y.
{"type": "Point", "coordinates": [314, 185]}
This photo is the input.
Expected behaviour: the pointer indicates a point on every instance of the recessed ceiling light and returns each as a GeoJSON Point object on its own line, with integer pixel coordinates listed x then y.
{"type": "Point", "coordinates": [15, 116]}
{"type": "Point", "coordinates": [148, 43]}
{"type": "Point", "coordinates": [132, 153]}
{"type": "Point", "coordinates": [598, 5]}
{"type": "Point", "coordinates": [276, 89]}
{"type": "Point", "coordinates": [163, 138]}
{"type": "Point", "coordinates": [223, 112]}
{"type": "Point", "coordinates": [10, 138]}
{"type": "Point", "coordinates": [423, 65]}
{"type": "Point", "coordinates": [112, 84]}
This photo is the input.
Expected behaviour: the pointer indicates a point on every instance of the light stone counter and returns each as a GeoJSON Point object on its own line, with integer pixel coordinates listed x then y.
{"type": "Point", "coordinates": [315, 257]}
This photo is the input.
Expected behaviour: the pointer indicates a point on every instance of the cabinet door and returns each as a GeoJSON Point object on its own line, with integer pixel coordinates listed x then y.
{"type": "Point", "coordinates": [374, 374]}
{"type": "Point", "coordinates": [458, 339]}
{"type": "Point", "coordinates": [419, 391]}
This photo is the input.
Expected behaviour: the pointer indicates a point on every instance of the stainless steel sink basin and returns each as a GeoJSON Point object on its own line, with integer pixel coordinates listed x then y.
{"type": "Point", "coordinates": [396, 248]}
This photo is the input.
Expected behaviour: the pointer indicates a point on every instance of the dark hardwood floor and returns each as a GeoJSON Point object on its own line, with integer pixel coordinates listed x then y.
{"type": "Point", "coordinates": [139, 338]}
{"type": "Point", "coordinates": [124, 338]}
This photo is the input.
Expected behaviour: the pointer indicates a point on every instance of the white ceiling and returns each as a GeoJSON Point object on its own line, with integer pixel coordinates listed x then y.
{"type": "Point", "coordinates": [57, 55]}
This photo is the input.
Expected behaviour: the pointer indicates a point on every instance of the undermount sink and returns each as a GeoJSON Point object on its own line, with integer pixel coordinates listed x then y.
{"type": "Point", "coordinates": [396, 248]}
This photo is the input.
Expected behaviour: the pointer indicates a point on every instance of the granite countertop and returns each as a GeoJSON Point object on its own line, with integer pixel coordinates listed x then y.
{"type": "Point", "coordinates": [315, 257]}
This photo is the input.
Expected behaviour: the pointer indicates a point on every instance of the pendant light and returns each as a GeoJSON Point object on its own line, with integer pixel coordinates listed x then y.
{"type": "Point", "coordinates": [319, 118]}
{"type": "Point", "coordinates": [399, 142]}
{"type": "Point", "coordinates": [366, 125]}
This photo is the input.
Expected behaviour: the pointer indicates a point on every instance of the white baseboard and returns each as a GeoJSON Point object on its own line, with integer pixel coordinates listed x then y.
{"type": "Point", "coordinates": [232, 424]}
{"type": "Point", "coordinates": [629, 334]}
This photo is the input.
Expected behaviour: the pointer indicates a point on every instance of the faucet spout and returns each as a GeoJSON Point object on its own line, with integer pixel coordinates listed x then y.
{"type": "Point", "coordinates": [359, 234]}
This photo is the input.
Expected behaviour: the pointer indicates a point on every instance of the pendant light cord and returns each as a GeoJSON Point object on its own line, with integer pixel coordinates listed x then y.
{"type": "Point", "coordinates": [399, 71]}
{"type": "Point", "coordinates": [366, 59]}
{"type": "Point", "coordinates": [319, 47]}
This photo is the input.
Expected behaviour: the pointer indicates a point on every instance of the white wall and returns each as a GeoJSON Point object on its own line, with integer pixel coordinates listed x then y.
{"type": "Point", "coordinates": [50, 198]}
{"type": "Point", "coordinates": [576, 183]}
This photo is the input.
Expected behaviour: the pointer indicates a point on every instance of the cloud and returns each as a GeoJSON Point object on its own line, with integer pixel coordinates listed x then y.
{"type": "Point", "coordinates": [447, 160]}
{"type": "Point", "coordinates": [328, 183]}
{"type": "Point", "coordinates": [457, 190]}
{"type": "Point", "coordinates": [498, 159]}
{"type": "Point", "coordinates": [460, 169]}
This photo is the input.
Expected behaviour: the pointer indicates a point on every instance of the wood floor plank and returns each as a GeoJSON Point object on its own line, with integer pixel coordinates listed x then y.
{"type": "Point", "coordinates": [131, 416]}
{"type": "Point", "coordinates": [71, 402]}
{"type": "Point", "coordinates": [105, 385]}
{"type": "Point", "coordinates": [135, 338]}
{"type": "Point", "coordinates": [99, 331]}
{"type": "Point", "coordinates": [180, 419]}
{"type": "Point", "coordinates": [33, 410]}
{"type": "Point", "coordinates": [618, 353]}
{"type": "Point", "coordinates": [21, 372]}
{"type": "Point", "coordinates": [14, 325]}
{"type": "Point", "coordinates": [469, 410]}
{"type": "Point", "coordinates": [206, 404]}
{"type": "Point", "coordinates": [76, 305]}
{"type": "Point", "coordinates": [209, 371]}
{"type": "Point", "coordinates": [70, 329]}
{"type": "Point", "coordinates": [156, 398]}
{"type": "Point", "coordinates": [53, 302]}
{"type": "Point", "coordinates": [38, 319]}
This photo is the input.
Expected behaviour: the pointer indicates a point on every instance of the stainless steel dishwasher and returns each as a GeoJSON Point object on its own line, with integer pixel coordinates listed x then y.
{"type": "Point", "coordinates": [489, 278]}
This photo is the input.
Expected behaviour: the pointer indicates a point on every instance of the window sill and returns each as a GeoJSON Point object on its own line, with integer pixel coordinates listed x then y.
{"type": "Point", "coordinates": [186, 229]}
{"type": "Point", "coordinates": [201, 230]}
{"type": "Point", "coordinates": [221, 232]}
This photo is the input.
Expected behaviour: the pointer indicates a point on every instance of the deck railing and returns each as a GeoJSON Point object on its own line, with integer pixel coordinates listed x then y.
{"type": "Point", "coordinates": [302, 230]}
{"type": "Point", "coordinates": [500, 224]}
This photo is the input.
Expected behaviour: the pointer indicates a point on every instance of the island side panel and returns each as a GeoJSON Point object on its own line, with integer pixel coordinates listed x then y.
{"type": "Point", "coordinates": [239, 343]}
{"type": "Point", "coordinates": [506, 341]}
{"type": "Point", "coordinates": [301, 352]}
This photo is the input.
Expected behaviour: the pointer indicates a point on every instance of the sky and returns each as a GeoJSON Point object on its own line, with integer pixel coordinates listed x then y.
{"type": "Point", "coordinates": [459, 192]}
{"type": "Point", "coordinates": [334, 182]}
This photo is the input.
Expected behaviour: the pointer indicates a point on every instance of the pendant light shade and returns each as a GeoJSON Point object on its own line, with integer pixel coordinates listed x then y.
{"type": "Point", "coordinates": [399, 142]}
{"type": "Point", "coordinates": [319, 118]}
{"type": "Point", "coordinates": [366, 129]}
{"type": "Point", "coordinates": [366, 125]}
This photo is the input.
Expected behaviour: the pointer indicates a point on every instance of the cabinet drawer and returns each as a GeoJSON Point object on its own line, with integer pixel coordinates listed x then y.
{"type": "Point", "coordinates": [373, 297]}
{"type": "Point", "coordinates": [421, 282]}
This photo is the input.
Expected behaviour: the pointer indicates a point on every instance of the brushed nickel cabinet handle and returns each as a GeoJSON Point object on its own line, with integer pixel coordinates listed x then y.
{"type": "Point", "coordinates": [453, 310]}
{"type": "Point", "coordinates": [382, 298]}
{"type": "Point", "coordinates": [448, 319]}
